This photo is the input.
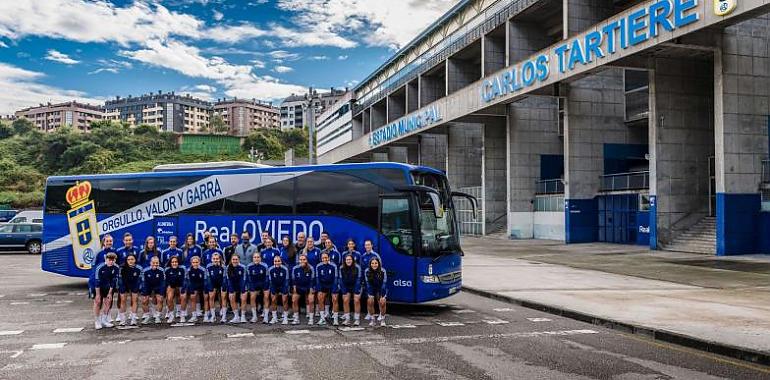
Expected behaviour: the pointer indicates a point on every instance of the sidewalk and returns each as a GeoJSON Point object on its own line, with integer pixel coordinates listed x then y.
{"type": "Point", "coordinates": [712, 303]}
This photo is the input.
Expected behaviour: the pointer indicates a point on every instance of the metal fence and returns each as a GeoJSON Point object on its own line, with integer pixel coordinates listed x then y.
{"type": "Point", "coordinates": [765, 171]}
{"type": "Point", "coordinates": [549, 186]}
{"type": "Point", "coordinates": [464, 210]}
{"type": "Point", "coordinates": [626, 181]}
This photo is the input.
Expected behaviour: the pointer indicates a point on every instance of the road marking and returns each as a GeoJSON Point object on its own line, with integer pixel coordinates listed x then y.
{"type": "Point", "coordinates": [37, 295]}
{"type": "Point", "coordinates": [48, 346]}
{"type": "Point", "coordinates": [14, 354]}
{"type": "Point", "coordinates": [495, 321]}
{"type": "Point", "coordinates": [464, 311]}
{"type": "Point", "coordinates": [2, 295]}
{"type": "Point", "coordinates": [64, 301]}
{"type": "Point", "coordinates": [11, 332]}
{"type": "Point", "coordinates": [502, 309]}
{"type": "Point", "coordinates": [19, 303]}
{"type": "Point", "coordinates": [68, 330]}
{"type": "Point", "coordinates": [110, 342]}
{"type": "Point", "coordinates": [294, 332]}
{"type": "Point", "coordinates": [440, 339]}
{"type": "Point", "coordinates": [346, 329]}
{"type": "Point", "coordinates": [77, 293]}
{"type": "Point", "coordinates": [126, 327]}
{"type": "Point", "coordinates": [240, 335]}
{"type": "Point", "coordinates": [174, 338]}
{"type": "Point", "coordinates": [181, 324]}
{"type": "Point", "coordinates": [407, 326]}
{"type": "Point", "coordinates": [450, 324]}
{"type": "Point", "coordinates": [538, 319]}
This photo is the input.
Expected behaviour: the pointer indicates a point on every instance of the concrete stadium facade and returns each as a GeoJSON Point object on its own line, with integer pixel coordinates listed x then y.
{"type": "Point", "coordinates": [639, 122]}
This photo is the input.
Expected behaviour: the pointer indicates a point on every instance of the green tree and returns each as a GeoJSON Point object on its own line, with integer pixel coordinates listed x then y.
{"type": "Point", "coordinates": [267, 142]}
{"type": "Point", "coordinates": [6, 130]}
{"type": "Point", "coordinates": [217, 124]}
{"type": "Point", "coordinates": [22, 126]}
{"type": "Point", "coordinates": [146, 129]}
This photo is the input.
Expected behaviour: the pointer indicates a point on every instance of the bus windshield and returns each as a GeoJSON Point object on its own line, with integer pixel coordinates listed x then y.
{"type": "Point", "coordinates": [439, 235]}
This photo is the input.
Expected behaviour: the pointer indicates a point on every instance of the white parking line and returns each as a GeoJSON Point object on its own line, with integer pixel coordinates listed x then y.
{"type": "Point", "coordinates": [111, 342]}
{"type": "Point", "coordinates": [126, 327]}
{"type": "Point", "coordinates": [346, 329]}
{"type": "Point", "coordinates": [240, 335]}
{"type": "Point", "coordinates": [495, 321]}
{"type": "Point", "coordinates": [538, 319]}
{"type": "Point", "coordinates": [19, 303]}
{"type": "Point", "coordinates": [68, 330]}
{"type": "Point", "coordinates": [14, 354]}
{"type": "Point", "coordinates": [174, 338]}
{"type": "Point", "coordinates": [48, 346]}
{"type": "Point", "coordinates": [37, 294]}
{"type": "Point", "coordinates": [464, 311]}
{"type": "Point", "coordinates": [2, 295]}
{"type": "Point", "coordinates": [406, 326]}
{"type": "Point", "coordinates": [294, 332]}
{"type": "Point", "coordinates": [64, 301]}
{"type": "Point", "coordinates": [182, 324]}
{"type": "Point", "coordinates": [450, 324]}
{"type": "Point", "coordinates": [502, 309]}
{"type": "Point", "coordinates": [11, 332]}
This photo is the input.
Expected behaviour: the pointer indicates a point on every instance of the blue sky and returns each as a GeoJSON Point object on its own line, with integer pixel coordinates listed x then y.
{"type": "Point", "coordinates": [56, 50]}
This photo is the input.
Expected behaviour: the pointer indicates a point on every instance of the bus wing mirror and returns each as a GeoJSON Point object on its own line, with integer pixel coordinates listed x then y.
{"type": "Point", "coordinates": [474, 202]}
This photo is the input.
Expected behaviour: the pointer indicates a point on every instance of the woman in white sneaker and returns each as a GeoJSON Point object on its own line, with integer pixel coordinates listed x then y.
{"type": "Point", "coordinates": [106, 281]}
{"type": "Point", "coordinates": [130, 281]}
{"type": "Point", "coordinates": [377, 288]}
{"type": "Point", "coordinates": [235, 284]}
{"type": "Point", "coordinates": [350, 287]}
{"type": "Point", "coordinates": [153, 289]}
{"type": "Point", "coordinates": [175, 275]}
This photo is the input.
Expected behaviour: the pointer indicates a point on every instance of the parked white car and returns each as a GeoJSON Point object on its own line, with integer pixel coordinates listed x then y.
{"type": "Point", "coordinates": [28, 216]}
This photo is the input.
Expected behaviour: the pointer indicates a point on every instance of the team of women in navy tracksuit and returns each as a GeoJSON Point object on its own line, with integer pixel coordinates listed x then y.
{"type": "Point", "coordinates": [191, 276]}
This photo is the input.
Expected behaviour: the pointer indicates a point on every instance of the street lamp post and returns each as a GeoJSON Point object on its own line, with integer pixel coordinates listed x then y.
{"type": "Point", "coordinates": [310, 112]}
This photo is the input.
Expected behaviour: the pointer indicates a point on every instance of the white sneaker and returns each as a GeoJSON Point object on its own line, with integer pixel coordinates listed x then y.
{"type": "Point", "coordinates": [356, 322]}
{"type": "Point", "coordinates": [157, 319]}
{"type": "Point", "coordinates": [382, 322]}
{"type": "Point", "coordinates": [368, 317]}
{"type": "Point", "coordinates": [380, 317]}
{"type": "Point", "coordinates": [295, 321]}
{"type": "Point", "coordinates": [243, 318]}
{"type": "Point", "coordinates": [335, 320]}
{"type": "Point", "coordinates": [321, 321]}
{"type": "Point", "coordinates": [273, 320]}
{"type": "Point", "coordinates": [223, 319]}
{"type": "Point", "coordinates": [265, 319]}
{"type": "Point", "coordinates": [206, 319]}
{"type": "Point", "coordinates": [310, 320]}
{"type": "Point", "coordinates": [98, 324]}
{"type": "Point", "coordinates": [182, 318]}
{"type": "Point", "coordinates": [106, 323]}
{"type": "Point", "coordinates": [371, 323]}
{"type": "Point", "coordinates": [145, 319]}
{"type": "Point", "coordinates": [170, 318]}
{"type": "Point", "coordinates": [122, 321]}
{"type": "Point", "coordinates": [285, 320]}
{"type": "Point", "coordinates": [193, 318]}
{"type": "Point", "coordinates": [133, 320]}
{"type": "Point", "coordinates": [236, 319]}
{"type": "Point", "coordinates": [346, 320]}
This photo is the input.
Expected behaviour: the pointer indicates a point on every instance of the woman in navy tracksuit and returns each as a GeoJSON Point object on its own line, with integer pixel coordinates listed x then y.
{"type": "Point", "coordinates": [326, 286]}
{"type": "Point", "coordinates": [130, 281]}
{"type": "Point", "coordinates": [98, 260]}
{"type": "Point", "coordinates": [190, 250]}
{"type": "Point", "coordinates": [351, 250]}
{"type": "Point", "coordinates": [303, 284]}
{"type": "Point", "coordinates": [258, 282]}
{"type": "Point", "coordinates": [106, 281]}
{"type": "Point", "coordinates": [153, 288]}
{"type": "Point", "coordinates": [216, 284]}
{"type": "Point", "coordinates": [280, 280]}
{"type": "Point", "coordinates": [175, 276]}
{"type": "Point", "coordinates": [377, 287]}
{"type": "Point", "coordinates": [235, 283]}
{"type": "Point", "coordinates": [149, 251]}
{"type": "Point", "coordinates": [195, 286]}
{"type": "Point", "coordinates": [350, 286]}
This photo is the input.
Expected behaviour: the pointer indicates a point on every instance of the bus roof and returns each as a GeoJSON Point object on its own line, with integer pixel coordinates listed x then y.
{"type": "Point", "coordinates": [277, 169]}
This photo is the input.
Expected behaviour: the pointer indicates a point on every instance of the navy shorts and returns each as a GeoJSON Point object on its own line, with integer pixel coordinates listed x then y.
{"type": "Point", "coordinates": [155, 289]}
{"type": "Point", "coordinates": [175, 285]}
{"type": "Point", "coordinates": [104, 292]}
{"type": "Point", "coordinates": [279, 289]}
{"type": "Point", "coordinates": [234, 287]}
{"type": "Point", "coordinates": [257, 287]}
{"type": "Point", "coordinates": [129, 288]}
{"type": "Point", "coordinates": [215, 286]}
{"type": "Point", "coordinates": [326, 289]}
{"type": "Point", "coordinates": [355, 289]}
{"type": "Point", "coordinates": [192, 288]}
{"type": "Point", "coordinates": [301, 291]}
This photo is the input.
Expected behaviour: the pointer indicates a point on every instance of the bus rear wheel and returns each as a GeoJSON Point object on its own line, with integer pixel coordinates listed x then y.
{"type": "Point", "coordinates": [34, 247]}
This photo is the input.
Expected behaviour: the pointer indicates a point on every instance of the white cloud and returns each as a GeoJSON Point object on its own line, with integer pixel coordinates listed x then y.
{"type": "Point", "coordinates": [258, 64]}
{"type": "Point", "coordinates": [21, 88]}
{"type": "Point", "coordinates": [218, 16]}
{"type": "Point", "coordinates": [3, 45]}
{"type": "Point", "coordinates": [318, 58]}
{"type": "Point", "coordinates": [342, 57]}
{"type": "Point", "coordinates": [282, 69]}
{"type": "Point", "coordinates": [390, 23]}
{"type": "Point", "coordinates": [111, 66]}
{"type": "Point", "coordinates": [200, 91]}
{"type": "Point", "coordinates": [237, 80]}
{"type": "Point", "coordinates": [283, 55]}
{"type": "Point", "coordinates": [57, 56]}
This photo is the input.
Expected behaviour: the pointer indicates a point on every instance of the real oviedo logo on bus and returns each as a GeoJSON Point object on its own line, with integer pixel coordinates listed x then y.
{"type": "Point", "coordinates": [81, 219]}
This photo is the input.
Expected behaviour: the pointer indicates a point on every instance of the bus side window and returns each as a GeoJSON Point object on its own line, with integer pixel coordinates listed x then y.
{"type": "Point", "coordinates": [395, 223]}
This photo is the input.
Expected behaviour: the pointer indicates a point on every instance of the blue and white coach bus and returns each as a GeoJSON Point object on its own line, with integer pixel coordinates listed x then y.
{"type": "Point", "coordinates": [406, 210]}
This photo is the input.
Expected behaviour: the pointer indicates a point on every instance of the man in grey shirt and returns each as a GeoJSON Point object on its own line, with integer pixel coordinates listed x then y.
{"type": "Point", "coordinates": [245, 250]}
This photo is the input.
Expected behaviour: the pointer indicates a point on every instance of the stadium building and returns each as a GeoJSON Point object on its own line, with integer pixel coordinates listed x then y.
{"type": "Point", "coordinates": [637, 122]}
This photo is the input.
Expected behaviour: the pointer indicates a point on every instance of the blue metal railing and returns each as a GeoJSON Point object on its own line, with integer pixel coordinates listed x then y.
{"type": "Point", "coordinates": [626, 181]}
{"type": "Point", "coordinates": [549, 186]}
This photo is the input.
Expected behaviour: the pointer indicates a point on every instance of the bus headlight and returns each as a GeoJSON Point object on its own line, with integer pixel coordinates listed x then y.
{"type": "Point", "coordinates": [430, 279]}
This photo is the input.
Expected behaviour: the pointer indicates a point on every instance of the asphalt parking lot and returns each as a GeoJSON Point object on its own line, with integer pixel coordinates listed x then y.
{"type": "Point", "coordinates": [46, 331]}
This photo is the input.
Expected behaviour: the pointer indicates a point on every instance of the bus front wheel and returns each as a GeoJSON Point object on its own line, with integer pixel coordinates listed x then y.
{"type": "Point", "coordinates": [34, 247]}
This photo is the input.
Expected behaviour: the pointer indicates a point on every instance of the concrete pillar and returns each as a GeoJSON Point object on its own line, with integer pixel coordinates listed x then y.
{"type": "Point", "coordinates": [594, 117]}
{"type": "Point", "coordinates": [464, 154]}
{"type": "Point", "coordinates": [433, 150]}
{"type": "Point", "coordinates": [533, 132]}
{"type": "Point", "coordinates": [396, 105]}
{"type": "Point", "coordinates": [379, 115]}
{"type": "Point", "coordinates": [741, 108]}
{"type": "Point", "coordinates": [681, 135]}
{"type": "Point", "coordinates": [366, 120]}
{"type": "Point", "coordinates": [494, 174]}
{"type": "Point", "coordinates": [412, 96]}
{"type": "Point", "coordinates": [357, 126]}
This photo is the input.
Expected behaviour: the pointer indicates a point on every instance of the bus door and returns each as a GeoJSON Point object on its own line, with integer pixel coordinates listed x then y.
{"type": "Point", "coordinates": [165, 227]}
{"type": "Point", "coordinates": [397, 246]}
